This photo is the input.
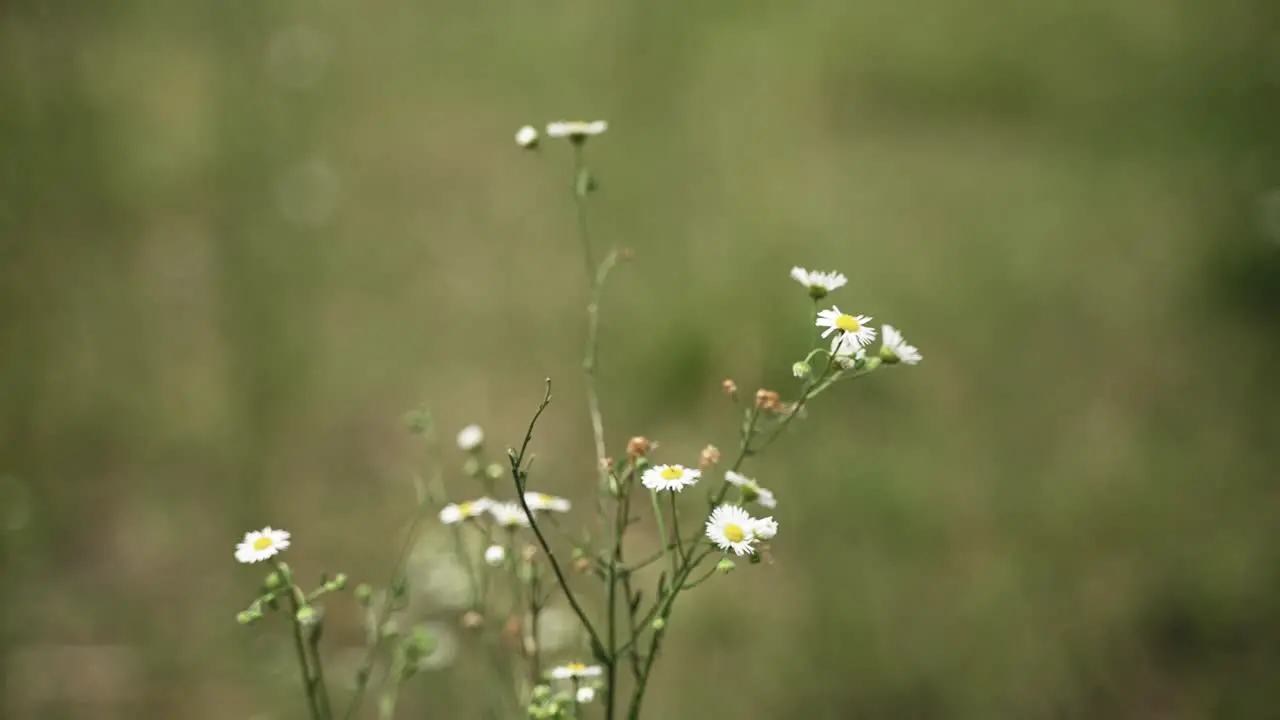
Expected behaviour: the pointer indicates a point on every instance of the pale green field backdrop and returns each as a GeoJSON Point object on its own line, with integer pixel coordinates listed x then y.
{"type": "Point", "coordinates": [233, 252]}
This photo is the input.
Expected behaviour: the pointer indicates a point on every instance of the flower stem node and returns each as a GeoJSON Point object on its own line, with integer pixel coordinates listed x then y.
{"type": "Point", "coordinates": [364, 594]}
{"type": "Point", "coordinates": [725, 566]}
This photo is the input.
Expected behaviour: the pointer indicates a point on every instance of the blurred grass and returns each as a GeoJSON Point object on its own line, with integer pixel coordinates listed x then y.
{"type": "Point", "coordinates": [221, 291]}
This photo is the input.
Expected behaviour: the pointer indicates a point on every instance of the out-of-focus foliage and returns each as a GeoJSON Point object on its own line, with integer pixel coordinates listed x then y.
{"type": "Point", "coordinates": [239, 239]}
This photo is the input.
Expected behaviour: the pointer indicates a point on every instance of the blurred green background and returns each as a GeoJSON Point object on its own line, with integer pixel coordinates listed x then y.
{"type": "Point", "coordinates": [239, 239]}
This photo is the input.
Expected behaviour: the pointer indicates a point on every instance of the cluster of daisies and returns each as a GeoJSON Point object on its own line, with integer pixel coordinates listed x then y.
{"type": "Point", "coordinates": [730, 527]}
{"type": "Point", "coordinates": [851, 334]}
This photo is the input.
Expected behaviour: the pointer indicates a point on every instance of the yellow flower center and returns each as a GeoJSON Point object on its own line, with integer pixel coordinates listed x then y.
{"type": "Point", "coordinates": [848, 323]}
{"type": "Point", "coordinates": [464, 509]}
{"type": "Point", "coordinates": [262, 543]}
{"type": "Point", "coordinates": [575, 668]}
{"type": "Point", "coordinates": [734, 533]}
{"type": "Point", "coordinates": [672, 473]}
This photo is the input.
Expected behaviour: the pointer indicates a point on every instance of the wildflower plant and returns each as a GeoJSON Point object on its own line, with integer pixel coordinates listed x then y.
{"type": "Point", "coordinates": [523, 558]}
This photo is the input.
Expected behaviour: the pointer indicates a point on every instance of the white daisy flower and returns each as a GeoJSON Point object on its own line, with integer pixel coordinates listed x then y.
{"type": "Point", "coordinates": [509, 514]}
{"type": "Point", "coordinates": [458, 512]}
{"type": "Point", "coordinates": [819, 283]}
{"type": "Point", "coordinates": [765, 528]}
{"type": "Point", "coordinates": [527, 137]}
{"type": "Point", "coordinates": [894, 349]}
{"type": "Point", "coordinates": [586, 694]}
{"type": "Point", "coordinates": [470, 438]}
{"type": "Point", "coordinates": [732, 528]}
{"type": "Point", "coordinates": [855, 326]}
{"type": "Point", "coordinates": [669, 477]}
{"type": "Point", "coordinates": [541, 501]}
{"type": "Point", "coordinates": [259, 545]}
{"type": "Point", "coordinates": [494, 555]}
{"type": "Point", "coordinates": [575, 130]}
{"type": "Point", "coordinates": [576, 671]}
{"type": "Point", "coordinates": [751, 490]}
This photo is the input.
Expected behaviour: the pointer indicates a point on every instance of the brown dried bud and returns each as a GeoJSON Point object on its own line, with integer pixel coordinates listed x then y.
{"type": "Point", "coordinates": [530, 646]}
{"type": "Point", "coordinates": [766, 399]}
{"type": "Point", "coordinates": [472, 620]}
{"type": "Point", "coordinates": [638, 447]}
{"type": "Point", "coordinates": [626, 254]}
{"type": "Point", "coordinates": [710, 456]}
{"type": "Point", "coordinates": [582, 565]}
{"type": "Point", "coordinates": [730, 388]}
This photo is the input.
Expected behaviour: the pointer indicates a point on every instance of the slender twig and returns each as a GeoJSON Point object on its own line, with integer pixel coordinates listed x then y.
{"type": "Point", "coordinates": [518, 475]}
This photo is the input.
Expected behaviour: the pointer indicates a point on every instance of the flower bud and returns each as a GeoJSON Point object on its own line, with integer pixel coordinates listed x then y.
{"type": "Point", "coordinates": [801, 370]}
{"type": "Point", "coordinates": [527, 137]}
{"type": "Point", "coordinates": [638, 447]}
{"type": "Point", "coordinates": [659, 624]}
{"type": "Point", "coordinates": [494, 471]}
{"type": "Point", "coordinates": [581, 565]}
{"type": "Point", "coordinates": [725, 566]}
{"type": "Point", "coordinates": [364, 594]}
{"type": "Point", "coordinates": [495, 555]}
{"type": "Point", "coordinates": [248, 617]}
{"type": "Point", "coordinates": [472, 620]}
{"type": "Point", "coordinates": [471, 467]}
{"type": "Point", "coordinates": [709, 457]}
{"type": "Point", "coordinates": [338, 582]}
{"type": "Point", "coordinates": [274, 581]}
{"type": "Point", "coordinates": [308, 616]}
{"type": "Point", "coordinates": [766, 399]}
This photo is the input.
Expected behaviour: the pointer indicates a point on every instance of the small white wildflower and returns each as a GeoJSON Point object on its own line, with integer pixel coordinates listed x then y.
{"type": "Point", "coordinates": [494, 555]}
{"type": "Point", "coordinates": [732, 528]}
{"type": "Point", "coordinates": [669, 477]}
{"type": "Point", "coordinates": [751, 490]}
{"type": "Point", "coordinates": [509, 514]}
{"type": "Point", "coordinates": [576, 131]}
{"type": "Point", "coordinates": [527, 137]}
{"type": "Point", "coordinates": [765, 528]}
{"type": "Point", "coordinates": [470, 438]}
{"type": "Point", "coordinates": [259, 545]}
{"type": "Point", "coordinates": [458, 512]}
{"type": "Point", "coordinates": [894, 349]}
{"type": "Point", "coordinates": [818, 283]}
{"type": "Point", "coordinates": [542, 501]}
{"type": "Point", "coordinates": [855, 326]}
{"type": "Point", "coordinates": [575, 671]}
{"type": "Point", "coordinates": [586, 694]}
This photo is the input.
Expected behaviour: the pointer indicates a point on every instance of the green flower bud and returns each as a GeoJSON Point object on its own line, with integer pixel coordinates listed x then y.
{"type": "Point", "coordinates": [364, 594]}
{"type": "Point", "coordinates": [390, 629]}
{"type": "Point", "coordinates": [801, 370]}
{"type": "Point", "coordinates": [541, 693]}
{"type": "Point", "coordinates": [308, 616]}
{"type": "Point", "coordinates": [274, 581]}
{"type": "Point", "coordinates": [337, 583]}
{"type": "Point", "coordinates": [471, 467]}
{"type": "Point", "coordinates": [248, 617]}
{"type": "Point", "coordinates": [494, 471]}
{"type": "Point", "coordinates": [419, 644]}
{"type": "Point", "coordinates": [659, 624]}
{"type": "Point", "coordinates": [725, 566]}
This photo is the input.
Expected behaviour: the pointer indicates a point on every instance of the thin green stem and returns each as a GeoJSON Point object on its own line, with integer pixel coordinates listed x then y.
{"type": "Point", "coordinates": [662, 529]}
{"type": "Point", "coordinates": [300, 645]}
{"type": "Point", "coordinates": [675, 526]}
